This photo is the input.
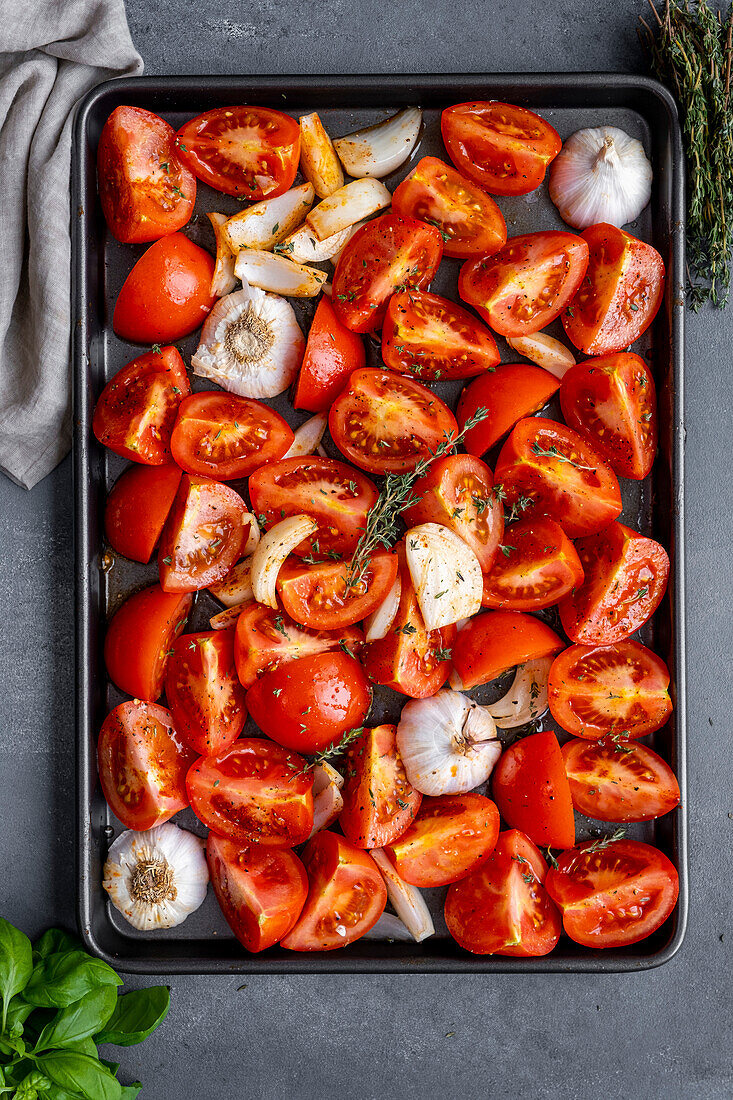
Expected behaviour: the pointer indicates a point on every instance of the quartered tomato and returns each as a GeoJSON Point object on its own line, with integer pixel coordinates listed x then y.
{"type": "Point", "coordinates": [205, 697]}
{"type": "Point", "coordinates": [336, 496]}
{"type": "Point", "coordinates": [137, 507]}
{"type": "Point", "coordinates": [224, 436]}
{"type": "Point", "coordinates": [625, 578]}
{"type": "Point", "coordinates": [346, 895]}
{"type": "Point", "coordinates": [538, 565]}
{"type": "Point", "coordinates": [332, 353]}
{"type": "Point", "coordinates": [266, 639]}
{"type": "Point", "coordinates": [139, 638]}
{"type": "Point", "coordinates": [450, 837]}
{"type": "Point", "coordinates": [432, 338]}
{"type": "Point", "coordinates": [620, 295]}
{"type": "Point", "coordinates": [319, 596]}
{"type": "Point", "coordinates": [609, 689]}
{"type": "Point", "coordinates": [502, 907]}
{"type": "Point", "coordinates": [379, 801]}
{"type": "Point", "coordinates": [528, 283]}
{"type": "Point", "coordinates": [203, 536]}
{"type": "Point", "coordinates": [566, 478]}
{"type": "Point", "coordinates": [613, 895]}
{"type": "Point", "coordinates": [253, 792]}
{"type": "Point", "coordinates": [261, 889]}
{"type": "Point", "coordinates": [470, 222]}
{"type": "Point", "coordinates": [612, 402]}
{"type": "Point", "coordinates": [385, 423]}
{"type": "Point", "coordinates": [510, 392]}
{"type": "Point", "coordinates": [531, 789]}
{"type": "Point", "coordinates": [503, 148]}
{"type": "Point", "coordinates": [496, 641]}
{"type": "Point", "coordinates": [144, 189]}
{"type": "Point", "coordinates": [137, 409]}
{"type": "Point", "coordinates": [612, 780]}
{"type": "Point", "coordinates": [385, 255]}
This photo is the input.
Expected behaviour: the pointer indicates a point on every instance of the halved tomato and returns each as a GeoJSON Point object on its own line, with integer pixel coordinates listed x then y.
{"type": "Point", "coordinates": [140, 637]}
{"type": "Point", "coordinates": [203, 536]}
{"type": "Point", "coordinates": [538, 565]}
{"type": "Point", "coordinates": [433, 338]}
{"type": "Point", "coordinates": [224, 436]}
{"type": "Point", "coordinates": [320, 597]}
{"type": "Point", "coordinates": [137, 507]}
{"type": "Point", "coordinates": [379, 801]}
{"type": "Point", "coordinates": [332, 353]}
{"type": "Point", "coordinates": [266, 639]}
{"type": "Point", "coordinates": [511, 392]}
{"type": "Point", "coordinates": [531, 789]}
{"type": "Point", "coordinates": [612, 780]}
{"type": "Point", "coordinates": [205, 697]}
{"type": "Point", "coordinates": [450, 837]}
{"type": "Point", "coordinates": [496, 641]}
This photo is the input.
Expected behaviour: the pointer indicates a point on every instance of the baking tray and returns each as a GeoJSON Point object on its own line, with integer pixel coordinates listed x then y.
{"type": "Point", "coordinates": [204, 943]}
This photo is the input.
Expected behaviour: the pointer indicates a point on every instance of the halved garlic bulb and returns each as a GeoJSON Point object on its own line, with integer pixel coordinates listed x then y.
{"type": "Point", "coordinates": [446, 574]}
{"type": "Point", "coordinates": [223, 280]}
{"type": "Point", "coordinates": [265, 223]}
{"type": "Point", "coordinates": [272, 551]}
{"type": "Point", "coordinates": [304, 247]}
{"type": "Point", "coordinates": [526, 698]}
{"type": "Point", "coordinates": [408, 901]}
{"type": "Point", "coordinates": [278, 274]}
{"type": "Point", "coordinates": [350, 204]}
{"type": "Point", "coordinates": [378, 623]}
{"type": "Point", "coordinates": [250, 344]}
{"type": "Point", "coordinates": [156, 878]}
{"type": "Point", "coordinates": [544, 351]}
{"type": "Point", "coordinates": [318, 160]}
{"type": "Point", "coordinates": [447, 742]}
{"type": "Point", "coordinates": [308, 436]}
{"type": "Point", "coordinates": [379, 150]}
{"type": "Point", "coordinates": [600, 175]}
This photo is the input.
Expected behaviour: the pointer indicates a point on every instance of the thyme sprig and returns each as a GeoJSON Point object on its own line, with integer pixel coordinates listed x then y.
{"type": "Point", "coordinates": [334, 750]}
{"type": "Point", "coordinates": [604, 841]}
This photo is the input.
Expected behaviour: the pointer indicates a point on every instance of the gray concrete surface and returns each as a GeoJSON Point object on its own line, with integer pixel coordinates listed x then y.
{"type": "Point", "coordinates": [662, 1034]}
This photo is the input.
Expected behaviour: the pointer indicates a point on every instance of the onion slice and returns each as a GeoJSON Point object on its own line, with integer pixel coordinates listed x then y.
{"type": "Point", "coordinates": [223, 280]}
{"type": "Point", "coordinates": [278, 274]}
{"type": "Point", "coordinates": [265, 223]}
{"type": "Point", "coordinates": [318, 161]}
{"type": "Point", "coordinates": [545, 351]}
{"type": "Point", "coordinates": [348, 205]}
{"type": "Point", "coordinates": [379, 150]}
{"type": "Point", "coordinates": [327, 798]}
{"type": "Point", "coordinates": [303, 246]}
{"type": "Point", "coordinates": [236, 587]}
{"type": "Point", "coordinates": [272, 551]}
{"type": "Point", "coordinates": [378, 623]}
{"type": "Point", "coordinates": [308, 436]}
{"type": "Point", "coordinates": [226, 619]}
{"type": "Point", "coordinates": [388, 927]}
{"type": "Point", "coordinates": [407, 900]}
{"type": "Point", "coordinates": [323, 774]}
{"type": "Point", "coordinates": [446, 574]}
{"type": "Point", "coordinates": [526, 698]}
{"type": "Point", "coordinates": [447, 742]}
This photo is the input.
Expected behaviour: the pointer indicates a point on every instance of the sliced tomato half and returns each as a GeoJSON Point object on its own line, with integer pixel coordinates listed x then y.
{"type": "Point", "coordinates": [333, 352]}
{"type": "Point", "coordinates": [224, 436]}
{"type": "Point", "coordinates": [531, 789]}
{"type": "Point", "coordinates": [433, 338]}
{"type": "Point", "coordinates": [449, 838]}
{"type": "Point", "coordinates": [266, 639]}
{"type": "Point", "coordinates": [321, 597]}
{"type": "Point", "coordinates": [612, 780]}
{"type": "Point", "coordinates": [137, 508]}
{"type": "Point", "coordinates": [203, 536]}
{"type": "Point", "coordinates": [205, 697]}
{"type": "Point", "coordinates": [537, 566]}
{"type": "Point", "coordinates": [140, 637]}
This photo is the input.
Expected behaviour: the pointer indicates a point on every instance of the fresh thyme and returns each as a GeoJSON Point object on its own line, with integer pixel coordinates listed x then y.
{"type": "Point", "coordinates": [604, 841]}
{"type": "Point", "coordinates": [552, 452]}
{"type": "Point", "coordinates": [336, 748]}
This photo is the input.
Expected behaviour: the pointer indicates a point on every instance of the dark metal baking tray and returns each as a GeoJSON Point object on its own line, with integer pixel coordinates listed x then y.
{"type": "Point", "coordinates": [569, 101]}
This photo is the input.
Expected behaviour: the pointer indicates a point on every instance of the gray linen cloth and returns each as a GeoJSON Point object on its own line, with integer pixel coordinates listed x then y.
{"type": "Point", "coordinates": [51, 53]}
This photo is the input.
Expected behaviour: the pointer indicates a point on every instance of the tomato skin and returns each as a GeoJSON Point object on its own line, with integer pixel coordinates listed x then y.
{"type": "Point", "coordinates": [541, 567]}
{"type": "Point", "coordinates": [531, 789]}
{"type": "Point", "coordinates": [205, 697]}
{"type": "Point", "coordinates": [496, 641]}
{"type": "Point", "coordinates": [314, 595]}
{"type": "Point", "coordinates": [332, 353]}
{"type": "Point", "coordinates": [430, 337]}
{"type": "Point", "coordinates": [619, 782]}
{"type": "Point", "coordinates": [576, 488]}
{"type": "Point", "coordinates": [261, 889]}
{"type": "Point", "coordinates": [203, 536]}
{"type": "Point", "coordinates": [141, 200]}
{"type": "Point", "coordinates": [137, 507]}
{"type": "Point", "coordinates": [379, 801]}
{"type": "Point", "coordinates": [308, 703]}
{"type": "Point", "coordinates": [613, 896]}
{"type": "Point", "coordinates": [167, 294]}
{"type": "Point", "coordinates": [386, 253]}
{"type": "Point", "coordinates": [502, 907]}
{"type": "Point", "coordinates": [136, 410]}
{"type": "Point", "coordinates": [224, 436]}
{"type": "Point", "coordinates": [450, 836]}
{"type": "Point", "coordinates": [139, 636]}
{"type": "Point", "coordinates": [346, 895]}
{"type": "Point", "coordinates": [142, 765]}
{"type": "Point", "coordinates": [625, 579]}
{"type": "Point", "coordinates": [511, 392]}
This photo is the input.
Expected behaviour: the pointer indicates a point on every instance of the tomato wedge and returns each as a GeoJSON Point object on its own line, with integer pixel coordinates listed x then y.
{"type": "Point", "coordinates": [203, 536]}
{"type": "Point", "coordinates": [612, 780]}
{"type": "Point", "coordinates": [496, 641]}
{"type": "Point", "coordinates": [537, 567]}
{"type": "Point", "coordinates": [317, 595]}
{"type": "Point", "coordinates": [139, 639]}
{"type": "Point", "coordinates": [385, 423]}
{"type": "Point", "coordinates": [433, 338]}
{"type": "Point", "coordinates": [379, 801]}
{"type": "Point", "coordinates": [205, 697]}
{"type": "Point", "coordinates": [266, 639]}
{"type": "Point", "coordinates": [450, 836]}
{"type": "Point", "coordinates": [511, 392]}
{"type": "Point", "coordinates": [137, 507]}
{"type": "Point", "coordinates": [531, 789]}
{"type": "Point", "coordinates": [332, 353]}
{"type": "Point", "coordinates": [224, 436]}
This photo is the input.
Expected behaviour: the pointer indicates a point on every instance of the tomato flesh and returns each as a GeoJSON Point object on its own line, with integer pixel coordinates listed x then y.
{"type": "Point", "coordinates": [531, 789]}
{"type": "Point", "coordinates": [615, 781]}
{"type": "Point", "coordinates": [319, 596]}
{"type": "Point", "coordinates": [203, 536]}
{"type": "Point", "coordinates": [379, 801]}
{"type": "Point", "coordinates": [511, 392]}
{"type": "Point", "coordinates": [266, 639]}
{"type": "Point", "coordinates": [433, 338]}
{"type": "Point", "coordinates": [496, 641]}
{"type": "Point", "coordinates": [450, 836]}
{"type": "Point", "coordinates": [538, 565]}
{"type": "Point", "coordinates": [205, 697]}
{"type": "Point", "coordinates": [137, 508]}
{"type": "Point", "coordinates": [333, 352]}
{"type": "Point", "coordinates": [139, 638]}
{"type": "Point", "coordinates": [224, 436]}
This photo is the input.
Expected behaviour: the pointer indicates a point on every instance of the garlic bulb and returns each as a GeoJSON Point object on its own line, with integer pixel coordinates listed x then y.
{"type": "Point", "coordinates": [381, 149]}
{"type": "Point", "coordinates": [447, 742]}
{"type": "Point", "coordinates": [250, 344]}
{"type": "Point", "coordinates": [156, 878]}
{"type": "Point", "coordinates": [526, 698]}
{"type": "Point", "coordinates": [600, 175]}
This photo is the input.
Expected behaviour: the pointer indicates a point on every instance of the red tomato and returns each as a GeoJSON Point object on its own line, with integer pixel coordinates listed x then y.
{"type": "Point", "coordinates": [203, 536]}
{"type": "Point", "coordinates": [496, 641]}
{"type": "Point", "coordinates": [613, 403]}
{"type": "Point", "coordinates": [531, 789]}
{"type": "Point", "coordinates": [167, 294]}
{"type": "Point", "coordinates": [139, 638]}
{"type": "Point", "coordinates": [450, 837]}
{"type": "Point", "coordinates": [261, 889]}
{"type": "Point", "coordinates": [538, 565]}
{"type": "Point", "coordinates": [309, 703]}
{"type": "Point", "coordinates": [266, 639]}
{"type": "Point", "coordinates": [145, 191]}
{"type": "Point", "coordinates": [251, 152]}
{"type": "Point", "coordinates": [625, 579]}
{"type": "Point", "coordinates": [137, 507]}
{"type": "Point", "coordinates": [253, 792]}
{"type": "Point", "coordinates": [385, 255]}
{"type": "Point", "coordinates": [137, 409]}
{"type": "Point", "coordinates": [203, 692]}
{"type": "Point", "coordinates": [612, 780]}
{"type": "Point", "coordinates": [332, 353]}
{"type": "Point", "coordinates": [224, 436]}
{"type": "Point", "coordinates": [142, 765]}
{"type": "Point", "coordinates": [510, 392]}
{"type": "Point", "coordinates": [434, 338]}
{"type": "Point", "coordinates": [330, 492]}
{"type": "Point", "coordinates": [503, 148]}
{"type": "Point", "coordinates": [620, 295]}
{"type": "Point", "coordinates": [470, 222]}
{"type": "Point", "coordinates": [385, 423]}
{"type": "Point", "coordinates": [379, 801]}
{"type": "Point", "coordinates": [528, 283]}
{"type": "Point", "coordinates": [317, 595]}
{"type": "Point", "coordinates": [346, 895]}
{"type": "Point", "coordinates": [567, 479]}
{"type": "Point", "coordinates": [615, 895]}
{"type": "Point", "coordinates": [502, 907]}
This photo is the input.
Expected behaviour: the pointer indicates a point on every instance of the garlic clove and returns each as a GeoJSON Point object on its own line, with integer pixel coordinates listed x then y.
{"type": "Point", "coordinates": [389, 927]}
{"type": "Point", "coordinates": [526, 698]}
{"type": "Point", "coordinates": [303, 246]}
{"type": "Point", "coordinates": [544, 351]}
{"type": "Point", "coordinates": [318, 160]}
{"type": "Point", "coordinates": [272, 551]}
{"type": "Point", "coordinates": [352, 203]}
{"type": "Point", "coordinates": [236, 587]}
{"type": "Point", "coordinates": [278, 274]}
{"type": "Point", "coordinates": [308, 436]}
{"type": "Point", "coordinates": [408, 900]}
{"type": "Point", "coordinates": [600, 175]}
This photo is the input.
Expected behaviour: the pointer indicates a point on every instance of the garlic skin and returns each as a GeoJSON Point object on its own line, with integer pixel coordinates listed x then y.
{"type": "Point", "coordinates": [526, 698]}
{"type": "Point", "coordinates": [156, 878]}
{"type": "Point", "coordinates": [447, 742]}
{"type": "Point", "coordinates": [600, 175]}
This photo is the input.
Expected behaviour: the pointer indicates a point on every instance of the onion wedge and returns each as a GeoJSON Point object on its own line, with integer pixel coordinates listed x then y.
{"type": "Point", "coordinates": [265, 223]}
{"type": "Point", "coordinates": [318, 160]}
{"type": "Point", "coordinates": [272, 551]}
{"type": "Point", "coordinates": [303, 246]}
{"type": "Point", "coordinates": [236, 587]}
{"type": "Point", "coordinates": [327, 799]}
{"type": "Point", "coordinates": [446, 574]}
{"type": "Point", "coordinates": [378, 623]}
{"type": "Point", "coordinates": [278, 274]}
{"type": "Point", "coordinates": [226, 619]}
{"type": "Point", "coordinates": [526, 698]}
{"type": "Point", "coordinates": [545, 351]}
{"type": "Point", "coordinates": [407, 900]}
{"type": "Point", "coordinates": [308, 436]}
{"type": "Point", "coordinates": [348, 205]}
{"type": "Point", "coordinates": [223, 280]}
{"type": "Point", "coordinates": [388, 927]}
{"type": "Point", "coordinates": [381, 149]}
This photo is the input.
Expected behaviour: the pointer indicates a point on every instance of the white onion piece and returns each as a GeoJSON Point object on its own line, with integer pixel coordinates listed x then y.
{"type": "Point", "coordinates": [278, 274]}
{"type": "Point", "coordinates": [526, 698]}
{"type": "Point", "coordinates": [253, 537]}
{"type": "Point", "coordinates": [600, 175]}
{"type": "Point", "coordinates": [226, 619]}
{"type": "Point", "coordinates": [236, 587]}
{"type": "Point", "coordinates": [388, 927]}
{"type": "Point", "coordinates": [447, 743]}
{"type": "Point", "coordinates": [265, 223]}
{"type": "Point", "coordinates": [378, 623]}
{"type": "Point", "coordinates": [381, 149]}
{"type": "Point", "coordinates": [545, 351]}
{"type": "Point", "coordinates": [308, 436]}
{"type": "Point", "coordinates": [349, 234]}
{"type": "Point", "coordinates": [350, 204]}
{"type": "Point", "coordinates": [328, 801]}
{"type": "Point", "coordinates": [408, 901]}
{"type": "Point", "coordinates": [323, 775]}
{"type": "Point", "coordinates": [223, 280]}
{"type": "Point", "coordinates": [321, 450]}
{"type": "Point", "coordinates": [446, 574]}
{"type": "Point", "coordinates": [272, 551]}
{"type": "Point", "coordinates": [303, 246]}
{"type": "Point", "coordinates": [318, 160]}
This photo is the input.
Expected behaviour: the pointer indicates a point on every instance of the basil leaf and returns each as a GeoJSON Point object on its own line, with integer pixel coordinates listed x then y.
{"type": "Point", "coordinates": [129, 1092]}
{"type": "Point", "coordinates": [33, 1086]}
{"type": "Point", "coordinates": [18, 1012]}
{"type": "Point", "coordinates": [85, 1046]}
{"type": "Point", "coordinates": [77, 1073]}
{"type": "Point", "coordinates": [64, 977]}
{"type": "Point", "coordinates": [55, 1092]}
{"type": "Point", "coordinates": [113, 1067]}
{"type": "Point", "coordinates": [54, 940]}
{"type": "Point", "coordinates": [136, 1016]}
{"type": "Point", "coordinates": [16, 963]}
{"type": "Point", "coordinates": [80, 1020]}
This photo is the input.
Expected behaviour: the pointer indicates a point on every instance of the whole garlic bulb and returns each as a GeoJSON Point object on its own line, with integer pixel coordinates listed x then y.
{"type": "Point", "coordinates": [601, 175]}
{"type": "Point", "coordinates": [447, 742]}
